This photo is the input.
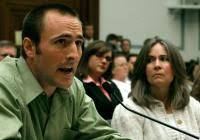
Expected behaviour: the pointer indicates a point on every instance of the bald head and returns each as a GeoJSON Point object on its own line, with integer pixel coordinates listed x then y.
{"type": "Point", "coordinates": [7, 48]}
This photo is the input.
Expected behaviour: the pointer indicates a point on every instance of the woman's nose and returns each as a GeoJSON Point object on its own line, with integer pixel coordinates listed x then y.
{"type": "Point", "coordinates": [157, 64]}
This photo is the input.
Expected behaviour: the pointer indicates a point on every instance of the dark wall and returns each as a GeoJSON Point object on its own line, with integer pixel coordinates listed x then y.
{"type": "Point", "coordinates": [12, 13]}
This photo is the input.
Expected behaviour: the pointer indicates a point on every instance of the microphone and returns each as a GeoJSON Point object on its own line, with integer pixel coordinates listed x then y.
{"type": "Point", "coordinates": [154, 120]}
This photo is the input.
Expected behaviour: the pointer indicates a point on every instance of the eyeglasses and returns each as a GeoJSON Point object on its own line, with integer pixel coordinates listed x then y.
{"type": "Point", "coordinates": [122, 65]}
{"type": "Point", "coordinates": [108, 58]}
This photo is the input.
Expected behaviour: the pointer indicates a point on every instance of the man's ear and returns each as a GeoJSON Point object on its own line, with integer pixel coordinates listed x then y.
{"type": "Point", "coordinates": [29, 47]}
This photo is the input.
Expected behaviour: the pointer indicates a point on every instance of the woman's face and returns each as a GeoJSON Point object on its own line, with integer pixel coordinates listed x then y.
{"type": "Point", "coordinates": [158, 69]}
{"type": "Point", "coordinates": [99, 64]}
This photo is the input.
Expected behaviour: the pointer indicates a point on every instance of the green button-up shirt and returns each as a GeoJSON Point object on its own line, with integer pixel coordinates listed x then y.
{"type": "Point", "coordinates": [26, 113]}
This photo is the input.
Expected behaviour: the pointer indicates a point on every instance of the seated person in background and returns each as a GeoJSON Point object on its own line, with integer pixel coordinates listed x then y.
{"type": "Point", "coordinates": [88, 34]}
{"type": "Point", "coordinates": [196, 71]}
{"type": "Point", "coordinates": [196, 85]}
{"type": "Point", "coordinates": [131, 58]}
{"type": "Point", "coordinates": [7, 48]}
{"type": "Point", "coordinates": [40, 99]}
{"type": "Point", "coordinates": [113, 41]}
{"type": "Point", "coordinates": [190, 69]}
{"type": "Point", "coordinates": [125, 46]}
{"type": "Point", "coordinates": [120, 74]}
{"type": "Point", "coordinates": [94, 67]}
{"type": "Point", "coordinates": [159, 90]}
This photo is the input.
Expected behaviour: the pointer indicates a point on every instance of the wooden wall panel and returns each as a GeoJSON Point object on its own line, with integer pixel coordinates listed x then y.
{"type": "Point", "coordinates": [12, 13]}
{"type": "Point", "coordinates": [89, 13]}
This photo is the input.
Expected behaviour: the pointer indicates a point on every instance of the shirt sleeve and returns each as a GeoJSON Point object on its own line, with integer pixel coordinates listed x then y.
{"type": "Point", "coordinates": [127, 123]}
{"type": "Point", "coordinates": [91, 124]}
{"type": "Point", "coordinates": [10, 123]}
{"type": "Point", "coordinates": [195, 105]}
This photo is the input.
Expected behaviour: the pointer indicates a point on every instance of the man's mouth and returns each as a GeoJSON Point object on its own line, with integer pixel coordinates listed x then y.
{"type": "Point", "coordinates": [66, 70]}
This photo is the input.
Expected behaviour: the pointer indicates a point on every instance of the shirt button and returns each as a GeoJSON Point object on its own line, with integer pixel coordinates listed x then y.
{"type": "Point", "coordinates": [179, 121]}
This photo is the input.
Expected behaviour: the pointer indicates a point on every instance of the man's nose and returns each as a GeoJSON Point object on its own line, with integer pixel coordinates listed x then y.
{"type": "Point", "coordinates": [73, 50]}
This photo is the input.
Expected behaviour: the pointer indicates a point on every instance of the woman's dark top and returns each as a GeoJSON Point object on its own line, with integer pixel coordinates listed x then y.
{"type": "Point", "coordinates": [104, 106]}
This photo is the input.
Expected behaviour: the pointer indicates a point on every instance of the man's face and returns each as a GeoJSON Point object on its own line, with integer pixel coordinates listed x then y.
{"type": "Point", "coordinates": [7, 51]}
{"type": "Point", "coordinates": [89, 31]}
{"type": "Point", "coordinates": [60, 47]}
{"type": "Point", "coordinates": [126, 46]}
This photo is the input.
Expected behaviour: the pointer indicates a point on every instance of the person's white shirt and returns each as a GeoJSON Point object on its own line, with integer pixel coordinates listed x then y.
{"type": "Point", "coordinates": [136, 127]}
{"type": "Point", "coordinates": [87, 42]}
{"type": "Point", "coordinates": [124, 87]}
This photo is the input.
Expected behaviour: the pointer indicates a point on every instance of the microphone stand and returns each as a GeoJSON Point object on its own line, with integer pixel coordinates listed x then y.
{"type": "Point", "coordinates": [154, 120]}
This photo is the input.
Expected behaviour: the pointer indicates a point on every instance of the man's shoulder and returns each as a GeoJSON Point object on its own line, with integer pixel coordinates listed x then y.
{"type": "Point", "coordinates": [8, 67]}
{"type": "Point", "coordinates": [9, 72]}
{"type": "Point", "coordinates": [9, 78]}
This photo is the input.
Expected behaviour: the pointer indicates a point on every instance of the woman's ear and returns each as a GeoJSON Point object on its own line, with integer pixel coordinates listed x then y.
{"type": "Point", "coordinates": [29, 47]}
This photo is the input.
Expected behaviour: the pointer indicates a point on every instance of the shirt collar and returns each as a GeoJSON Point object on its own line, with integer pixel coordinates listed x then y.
{"type": "Point", "coordinates": [31, 87]}
{"type": "Point", "coordinates": [89, 79]}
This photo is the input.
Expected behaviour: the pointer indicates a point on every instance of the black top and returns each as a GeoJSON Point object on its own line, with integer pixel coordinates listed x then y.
{"type": "Point", "coordinates": [104, 106]}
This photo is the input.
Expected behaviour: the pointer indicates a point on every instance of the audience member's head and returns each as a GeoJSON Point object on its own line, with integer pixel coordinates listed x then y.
{"type": "Point", "coordinates": [146, 41]}
{"type": "Point", "coordinates": [196, 71]}
{"type": "Point", "coordinates": [88, 31]}
{"type": "Point", "coordinates": [120, 67]}
{"type": "Point", "coordinates": [190, 68]}
{"type": "Point", "coordinates": [96, 60]}
{"type": "Point", "coordinates": [131, 58]}
{"type": "Point", "coordinates": [113, 42]}
{"type": "Point", "coordinates": [112, 38]}
{"type": "Point", "coordinates": [196, 85]}
{"type": "Point", "coordinates": [126, 46]}
{"type": "Point", "coordinates": [7, 48]}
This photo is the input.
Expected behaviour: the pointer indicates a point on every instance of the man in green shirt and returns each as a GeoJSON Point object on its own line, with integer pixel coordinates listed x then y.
{"type": "Point", "coordinates": [40, 99]}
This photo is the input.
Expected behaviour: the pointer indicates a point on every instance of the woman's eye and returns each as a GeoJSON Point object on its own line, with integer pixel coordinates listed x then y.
{"type": "Point", "coordinates": [150, 59]}
{"type": "Point", "coordinates": [164, 58]}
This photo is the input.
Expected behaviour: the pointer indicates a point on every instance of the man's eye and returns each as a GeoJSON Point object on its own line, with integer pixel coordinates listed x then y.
{"type": "Point", "coordinates": [61, 42]}
{"type": "Point", "coordinates": [66, 42]}
{"type": "Point", "coordinates": [79, 43]}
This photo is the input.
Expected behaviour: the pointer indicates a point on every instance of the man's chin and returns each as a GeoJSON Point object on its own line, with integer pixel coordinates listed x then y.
{"type": "Point", "coordinates": [66, 84]}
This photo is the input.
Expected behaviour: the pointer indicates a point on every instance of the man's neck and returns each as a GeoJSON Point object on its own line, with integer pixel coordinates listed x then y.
{"type": "Point", "coordinates": [49, 90]}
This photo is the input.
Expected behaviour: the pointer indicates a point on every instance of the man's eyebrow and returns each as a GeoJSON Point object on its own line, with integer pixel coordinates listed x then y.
{"type": "Point", "coordinates": [67, 36]}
